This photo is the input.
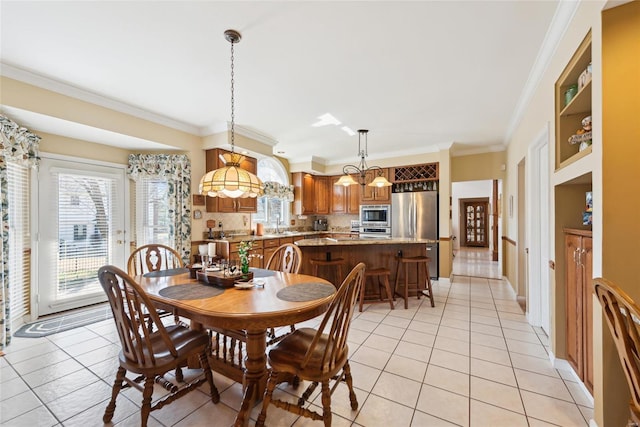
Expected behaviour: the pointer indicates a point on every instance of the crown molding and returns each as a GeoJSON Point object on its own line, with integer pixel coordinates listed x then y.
{"type": "Point", "coordinates": [565, 12]}
{"type": "Point", "coordinates": [84, 95]}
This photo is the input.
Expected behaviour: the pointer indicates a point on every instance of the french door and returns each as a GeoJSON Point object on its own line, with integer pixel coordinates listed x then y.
{"type": "Point", "coordinates": [475, 223]}
{"type": "Point", "coordinates": [81, 223]}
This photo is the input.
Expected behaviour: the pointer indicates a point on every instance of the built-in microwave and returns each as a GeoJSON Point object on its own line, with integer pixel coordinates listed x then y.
{"type": "Point", "coordinates": [375, 216]}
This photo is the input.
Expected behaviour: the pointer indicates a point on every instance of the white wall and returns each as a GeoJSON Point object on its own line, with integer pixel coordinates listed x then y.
{"type": "Point", "coordinates": [467, 190]}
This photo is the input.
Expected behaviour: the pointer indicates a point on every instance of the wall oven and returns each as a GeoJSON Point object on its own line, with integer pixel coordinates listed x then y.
{"type": "Point", "coordinates": [375, 221]}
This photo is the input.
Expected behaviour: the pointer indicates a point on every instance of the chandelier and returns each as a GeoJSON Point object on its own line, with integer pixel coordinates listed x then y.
{"type": "Point", "coordinates": [231, 180]}
{"type": "Point", "coordinates": [361, 170]}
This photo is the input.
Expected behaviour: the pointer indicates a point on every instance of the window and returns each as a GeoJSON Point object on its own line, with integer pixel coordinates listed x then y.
{"type": "Point", "coordinates": [19, 241]}
{"type": "Point", "coordinates": [152, 212]}
{"type": "Point", "coordinates": [272, 209]}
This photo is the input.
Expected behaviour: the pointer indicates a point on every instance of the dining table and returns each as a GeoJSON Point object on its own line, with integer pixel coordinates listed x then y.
{"type": "Point", "coordinates": [276, 299]}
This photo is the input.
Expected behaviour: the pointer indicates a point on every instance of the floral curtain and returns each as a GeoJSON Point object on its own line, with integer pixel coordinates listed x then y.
{"type": "Point", "coordinates": [17, 145]}
{"type": "Point", "coordinates": [275, 190]}
{"type": "Point", "coordinates": [176, 169]}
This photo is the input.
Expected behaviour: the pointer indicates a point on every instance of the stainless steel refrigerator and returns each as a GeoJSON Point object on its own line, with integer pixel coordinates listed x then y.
{"type": "Point", "coordinates": [415, 215]}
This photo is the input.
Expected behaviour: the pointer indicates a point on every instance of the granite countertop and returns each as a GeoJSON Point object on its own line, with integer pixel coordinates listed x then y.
{"type": "Point", "coordinates": [358, 241]}
{"type": "Point", "coordinates": [240, 238]}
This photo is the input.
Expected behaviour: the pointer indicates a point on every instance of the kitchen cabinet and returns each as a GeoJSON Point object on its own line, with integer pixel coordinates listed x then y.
{"type": "Point", "coordinates": [344, 200]}
{"type": "Point", "coordinates": [256, 253]}
{"type": "Point", "coordinates": [376, 195]}
{"type": "Point", "coordinates": [322, 194]}
{"type": "Point", "coordinates": [270, 246]}
{"type": "Point", "coordinates": [228, 205]}
{"type": "Point", "coordinates": [303, 194]}
{"type": "Point", "coordinates": [311, 194]}
{"type": "Point", "coordinates": [579, 303]}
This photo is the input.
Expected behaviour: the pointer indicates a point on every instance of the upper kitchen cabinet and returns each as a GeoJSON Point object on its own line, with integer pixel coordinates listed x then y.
{"type": "Point", "coordinates": [573, 107]}
{"type": "Point", "coordinates": [322, 194]}
{"type": "Point", "coordinates": [303, 194]}
{"type": "Point", "coordinates": [376, 195]}
{"type": "Point", "coordinates": [344, 200]}
{"type": "Point", "coordinates": [218, 204]}
{"type": "Point", "coordinates": [311, 194]}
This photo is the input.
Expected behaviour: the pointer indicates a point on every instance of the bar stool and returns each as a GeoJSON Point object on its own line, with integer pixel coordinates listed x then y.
{"type": "Point", "coordinates": [328, 262]}
{"type": "Point", "coordinates": [378, 273]}
{"type": "Point", "coordinates": [403, 266]}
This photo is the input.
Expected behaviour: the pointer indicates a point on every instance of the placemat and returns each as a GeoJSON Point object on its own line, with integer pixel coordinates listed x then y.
{"type": "Point", "coordinates": [190, 291]}
{"type": "Point", "coordinates": [261, 272]}
{"type": "Point", "coordinates": [164, 273]}
{"type": "Point", "coordinates": [306, 292]}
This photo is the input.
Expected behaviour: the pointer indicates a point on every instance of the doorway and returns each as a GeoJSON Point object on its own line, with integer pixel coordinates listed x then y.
{"type": "Point", "coordinates": [81, 223]}
{"type": "Point", "coordinates": [474, 222]}
{"type": "Point", "coordinates": [477, 261]}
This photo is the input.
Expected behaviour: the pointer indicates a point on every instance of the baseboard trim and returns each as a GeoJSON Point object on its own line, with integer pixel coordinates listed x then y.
{"type": "Point", "coordinates": [564, 365]}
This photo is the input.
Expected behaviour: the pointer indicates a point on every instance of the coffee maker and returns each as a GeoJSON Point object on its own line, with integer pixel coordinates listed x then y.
{"type": "Point", "coordinates": [320, 224]}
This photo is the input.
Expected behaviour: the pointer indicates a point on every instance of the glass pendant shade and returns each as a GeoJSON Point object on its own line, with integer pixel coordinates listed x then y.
{"type": "Point", "coordinates": [346, 180]}
{"type": "Point", "coordinates": [380, 181]}
{"type": "Point", "coordinates": [231, 180]}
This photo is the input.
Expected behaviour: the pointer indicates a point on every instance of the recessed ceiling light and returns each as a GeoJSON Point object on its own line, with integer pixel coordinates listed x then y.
{"type": "Point", "coordinates": [325, 120]}
{"type": "Point", "coordinates": [245, 152]}
{"type": "Point", "coordinates": [348, 130]}
{"type": "Point", "coordinates": [279, 152]}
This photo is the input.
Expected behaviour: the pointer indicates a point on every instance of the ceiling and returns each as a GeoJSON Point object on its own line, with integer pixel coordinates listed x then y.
{"type": "Point", "coordinates": [420, 75]}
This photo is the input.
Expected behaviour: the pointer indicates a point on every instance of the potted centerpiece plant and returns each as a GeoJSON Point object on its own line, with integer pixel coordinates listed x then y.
{"type": "Point", "coordinates": [243, 253]}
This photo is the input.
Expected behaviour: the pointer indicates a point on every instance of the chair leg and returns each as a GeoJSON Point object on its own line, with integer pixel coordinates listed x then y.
{"type": "Point", "coordinates": [146, 401]}
{"type": "Point", "coordinates": [204, 363]}
{"type": "Point", "coordinates": [271, 385]}
{"type": "Point", "coordinates": [179, 375]}
{"type": "Point", "coordinates": [117, 386]}
{"type": "Point", "coordinates": [364, 285]}
{"type": "Point", "coordinates": [406, 287]}
{"type": "Point", "coordinates": [387, 289]}
{"type": "Point", "coordinates": [326, 403]}
{"type": "Point", "coordinates": [349, 381]}
{"type": "Point", "coordinates": [428, 285]}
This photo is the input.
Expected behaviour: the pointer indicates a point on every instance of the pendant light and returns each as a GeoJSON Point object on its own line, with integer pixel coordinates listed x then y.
{"type": "Point", "coordinates": [362, 169]}
{"type": "Point", "coordinates": [231, 180]}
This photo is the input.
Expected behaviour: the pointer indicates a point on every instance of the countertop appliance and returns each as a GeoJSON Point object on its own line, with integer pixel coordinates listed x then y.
{"type": "Point", "coordinates": [415, 215]}
{"type": "Point", "coordinates": [320, 224]}
{"type": "Point", "coordinates": [375, 221]}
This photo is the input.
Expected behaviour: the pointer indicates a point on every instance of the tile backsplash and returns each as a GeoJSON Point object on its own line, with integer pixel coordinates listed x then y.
{"type": "Point", "coordinates": [240, 223]}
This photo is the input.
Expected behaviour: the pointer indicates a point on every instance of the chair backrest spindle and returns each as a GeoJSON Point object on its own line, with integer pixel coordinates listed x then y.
{"type": "Point", "coordinates": [339, 314]}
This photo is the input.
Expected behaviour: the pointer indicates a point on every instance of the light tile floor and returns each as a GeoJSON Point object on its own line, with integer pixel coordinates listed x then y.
{"type": "Point", "coordinates": [471, 361]}
{"type": "Point", "coordinates": [475, 262]}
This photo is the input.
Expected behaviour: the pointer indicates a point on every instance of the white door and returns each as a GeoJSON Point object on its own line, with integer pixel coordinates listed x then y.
{"type": "Point", "coordinates": [81, 223]}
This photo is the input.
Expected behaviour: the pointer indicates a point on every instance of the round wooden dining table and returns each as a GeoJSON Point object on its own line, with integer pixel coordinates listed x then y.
{"type": "Point", "coordinates": [254, 310]}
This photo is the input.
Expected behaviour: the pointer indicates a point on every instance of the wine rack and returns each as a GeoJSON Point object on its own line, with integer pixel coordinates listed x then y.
{"type": "Point", "coordinates": [415, 173]}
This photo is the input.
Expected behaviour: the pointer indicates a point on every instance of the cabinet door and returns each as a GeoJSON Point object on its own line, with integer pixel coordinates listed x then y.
{"type": "Point", "coordinates": [353, 199]}
{"type": "Point", "coordinates": [303, 193]}
{"type": "Point", "coordinates": [338, 196]}
{"type": "Point", "coordinates": [376, 194]}
{"type": "Point", "coordinates": [587, 274]}
{"type": "Point", "coordinates": [322, 191]}
{"type": "Point", "coordinates": [250, 204]}
{"type": "Point", "coordinates": [574, 297]}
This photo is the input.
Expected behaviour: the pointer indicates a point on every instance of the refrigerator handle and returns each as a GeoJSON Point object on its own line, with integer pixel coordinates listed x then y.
{"type": "Point", "coordinates": [413, 216]}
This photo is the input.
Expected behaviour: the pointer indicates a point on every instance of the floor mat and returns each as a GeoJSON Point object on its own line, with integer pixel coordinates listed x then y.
{"type": "Point", "coordinates": [64, 322]}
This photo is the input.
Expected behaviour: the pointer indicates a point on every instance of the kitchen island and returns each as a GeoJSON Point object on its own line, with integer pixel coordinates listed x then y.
{"type": "Point", "coordinates": [375, 253]}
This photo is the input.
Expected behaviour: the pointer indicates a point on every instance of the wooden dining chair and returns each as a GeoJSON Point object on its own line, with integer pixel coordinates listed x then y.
{"type": "Point", "coordinates": [623, 317]}
{"type": "Point", "coordinates": [149, 354]}
{"type": "Point", "coordinates": [288, 259]}
{"type": "Point", "coordinates": [317, 356]}
{"type": "Point", "coordinates": [153, 257]}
